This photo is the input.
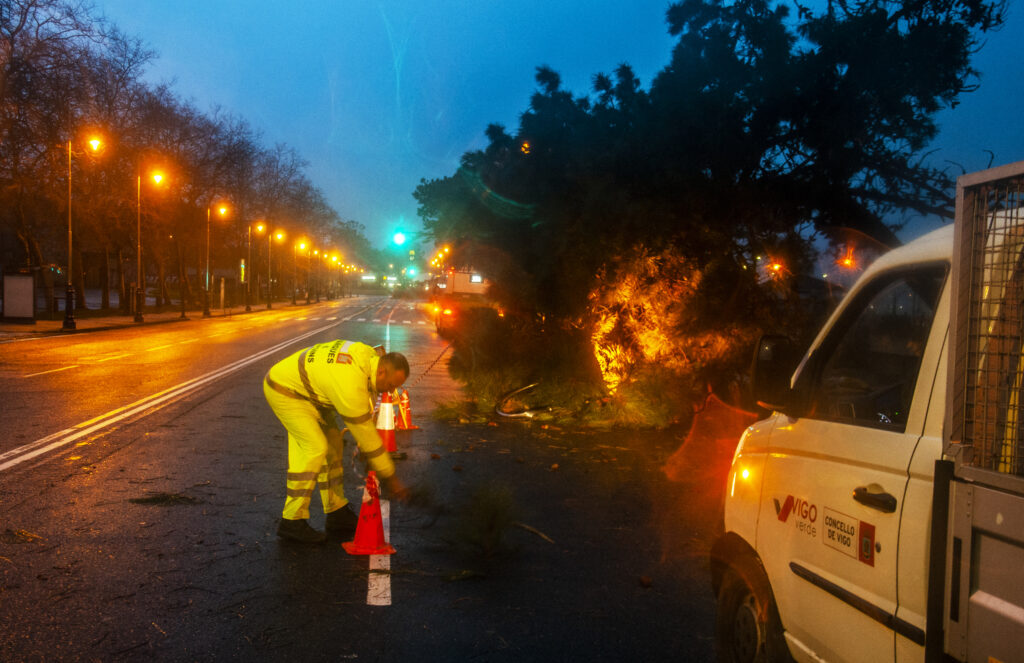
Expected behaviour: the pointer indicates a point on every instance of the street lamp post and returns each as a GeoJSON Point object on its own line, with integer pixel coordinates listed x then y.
{"type": "Point", "coordinates": [222, 210]}
{"type": "Point", "coordinates": [295, 271]}
{"type": "Point", "coordinates": [140, 292]}
{"type": "Point", "coordinates": [69, 287]}
{"type": "Point", "coordinates": [248, 277]}
{"type": "Point", "coordinates": [309, 257]}
{"type": "Point", "coordinates": [317, 280]}
{"type": "Point", "coordinates": [270, 245]}
{"type": "Point", "coordinates": [181, 285]}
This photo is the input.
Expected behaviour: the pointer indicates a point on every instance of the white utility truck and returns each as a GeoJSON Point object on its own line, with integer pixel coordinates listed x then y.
{"type": "Point", "coordinates": [454, 294]}
{"type": "Point", "coordinates": [878, 513]}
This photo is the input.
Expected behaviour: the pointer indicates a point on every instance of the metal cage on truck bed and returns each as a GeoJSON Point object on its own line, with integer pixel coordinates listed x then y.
{"type": "Point", "coordinates": [980, 495]}
{"type": "Point", "coordinates": [987, 367]}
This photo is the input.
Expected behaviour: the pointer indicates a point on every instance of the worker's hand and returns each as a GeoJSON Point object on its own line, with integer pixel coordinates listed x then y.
{"type": "Point", "coordinates": [397, 490]}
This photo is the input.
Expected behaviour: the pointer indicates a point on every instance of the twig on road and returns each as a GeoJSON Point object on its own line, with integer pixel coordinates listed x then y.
{"type": "Point", "coordinates": [534, 531]}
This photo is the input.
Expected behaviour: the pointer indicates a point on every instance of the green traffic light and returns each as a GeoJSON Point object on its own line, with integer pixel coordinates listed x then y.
{"type": "Point", "coordinates": [399, 238]}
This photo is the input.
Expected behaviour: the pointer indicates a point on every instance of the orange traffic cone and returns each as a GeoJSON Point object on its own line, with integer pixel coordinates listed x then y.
{"type": "Point", "coordinates": [404, 413]}
{"type": "Point", "coordinates": [386, 423]}
{"type": "Point", "coordinates": [369, 538]}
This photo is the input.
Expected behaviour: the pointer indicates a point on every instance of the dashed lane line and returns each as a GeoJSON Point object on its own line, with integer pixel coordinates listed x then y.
{"type": "Point", "coordinates": [52, 370]}
{"type": "Point", "coordinates": [112, 357]}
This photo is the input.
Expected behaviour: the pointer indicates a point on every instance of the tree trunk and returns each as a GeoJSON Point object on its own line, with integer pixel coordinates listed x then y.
{"type": "Point", "coordinates": [140, 277]}
{"type": "Point", "coordinates": [78, 280]}
{"type": "Point", "coordinates": [163, 298]}
{"type": "Point", "coordinates": [105, 279]}
{"type": "Point", "coordinates": [182, 281]}
{"type": "Point", "coordinates": [36, 259]}
{"type": "Point", "coordinates": [200, 291]}
{"type": "Point", "coordinates": [122, 284]}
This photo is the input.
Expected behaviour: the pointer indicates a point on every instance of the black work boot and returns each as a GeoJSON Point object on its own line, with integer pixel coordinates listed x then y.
{"type": "Point", "coordinates": [299, 530]}
{"type": "Point", "coordinates": [342, 521]}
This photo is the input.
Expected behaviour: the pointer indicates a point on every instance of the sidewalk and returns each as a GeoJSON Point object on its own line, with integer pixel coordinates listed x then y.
{"type": "Point", "coordinates": [14, 330]}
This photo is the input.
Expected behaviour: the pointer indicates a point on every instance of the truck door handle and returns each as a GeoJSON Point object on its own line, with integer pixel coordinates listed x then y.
{"type": "Point", "coordinates": [875, 497]}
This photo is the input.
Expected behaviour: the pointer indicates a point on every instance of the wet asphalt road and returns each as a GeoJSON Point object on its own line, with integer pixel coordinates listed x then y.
{"type": "Point", "coordinates": [154, 540]}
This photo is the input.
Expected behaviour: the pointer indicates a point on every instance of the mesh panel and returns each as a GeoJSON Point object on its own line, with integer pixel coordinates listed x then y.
{"type": "Point", "coordinates": [991, 256]}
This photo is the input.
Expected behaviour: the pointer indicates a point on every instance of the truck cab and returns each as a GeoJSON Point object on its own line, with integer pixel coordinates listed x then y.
{"type": "Point", "coordinates": [817, 493]}
{"type": "Point", "coordinates": [877, 514]}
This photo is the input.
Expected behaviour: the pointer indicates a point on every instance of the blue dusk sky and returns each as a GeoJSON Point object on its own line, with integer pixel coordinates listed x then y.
{"type": "Point", "coordinates": [377, 94]}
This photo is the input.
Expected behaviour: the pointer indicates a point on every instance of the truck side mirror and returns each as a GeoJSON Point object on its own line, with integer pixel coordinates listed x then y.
{"type": "Point", "coordinates": [775, 359]}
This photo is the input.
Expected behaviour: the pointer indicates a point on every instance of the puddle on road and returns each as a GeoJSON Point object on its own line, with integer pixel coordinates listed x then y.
{"type": "Point", "coordinates": [165, 499]}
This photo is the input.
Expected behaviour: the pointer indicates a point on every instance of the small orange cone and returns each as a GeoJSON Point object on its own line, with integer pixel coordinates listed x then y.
{"type": "Point", "coordinates": [386, 423]}
{"type": "Point", "coordinates": [404, 418]}
{"type": "Point", "coordinates": [369, 538]}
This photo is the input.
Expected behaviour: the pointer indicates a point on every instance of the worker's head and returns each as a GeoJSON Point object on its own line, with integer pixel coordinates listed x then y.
{"type": "Point", "coordinates": [392, 371]}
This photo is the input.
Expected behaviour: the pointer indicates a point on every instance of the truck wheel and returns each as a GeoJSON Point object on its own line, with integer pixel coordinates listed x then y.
{"type": "Point", "coordinates": [747, 626]}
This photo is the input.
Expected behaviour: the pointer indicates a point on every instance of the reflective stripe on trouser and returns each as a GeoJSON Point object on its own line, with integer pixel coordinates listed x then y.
{"type": "Point", "coordinates": [314, 455]}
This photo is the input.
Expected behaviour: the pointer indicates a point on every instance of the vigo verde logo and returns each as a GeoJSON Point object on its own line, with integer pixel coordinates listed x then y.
{"type": "Point", "coordinates": [804, 513]}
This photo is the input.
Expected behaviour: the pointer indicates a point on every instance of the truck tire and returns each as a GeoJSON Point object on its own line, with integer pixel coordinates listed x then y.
{"type": "Point", "coordinates": [747, 626]}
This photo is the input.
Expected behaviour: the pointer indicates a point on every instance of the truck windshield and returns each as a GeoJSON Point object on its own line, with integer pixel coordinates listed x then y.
{"type": "Point", "coordinates": [870, 361]}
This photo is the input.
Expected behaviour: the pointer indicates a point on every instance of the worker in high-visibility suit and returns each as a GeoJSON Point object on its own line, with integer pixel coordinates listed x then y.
{"type": "Point", "coordinates": [304, 391]}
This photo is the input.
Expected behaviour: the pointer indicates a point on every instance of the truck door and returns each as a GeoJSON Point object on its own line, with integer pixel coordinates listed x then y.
{"type": "Point", "coordinates": [835, 477]}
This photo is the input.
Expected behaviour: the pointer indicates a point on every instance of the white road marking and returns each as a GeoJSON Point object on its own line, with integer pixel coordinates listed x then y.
{"type": "Point", "coordinates": [52, 370]}
{"type": "Point", "coordinates": [145, 405]}
{"type": "Point", "coordinates": [100, 361]}
{"type": "Point", "coordinates": [378, 590]}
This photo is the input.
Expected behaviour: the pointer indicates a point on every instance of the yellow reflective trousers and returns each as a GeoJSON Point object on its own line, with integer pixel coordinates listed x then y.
{"type": "Point", "coordinates": [314, 454]}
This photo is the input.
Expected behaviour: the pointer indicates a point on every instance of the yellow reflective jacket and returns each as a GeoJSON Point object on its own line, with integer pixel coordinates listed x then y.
{"type": "Point", "coordinates": [339, 375]}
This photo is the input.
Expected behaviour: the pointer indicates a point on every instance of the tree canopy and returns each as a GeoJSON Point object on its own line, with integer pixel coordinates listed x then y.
{"type": "Point", "coordinates": [773, 126]}
{"type": "Point", "coordinates": [66, 76]}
